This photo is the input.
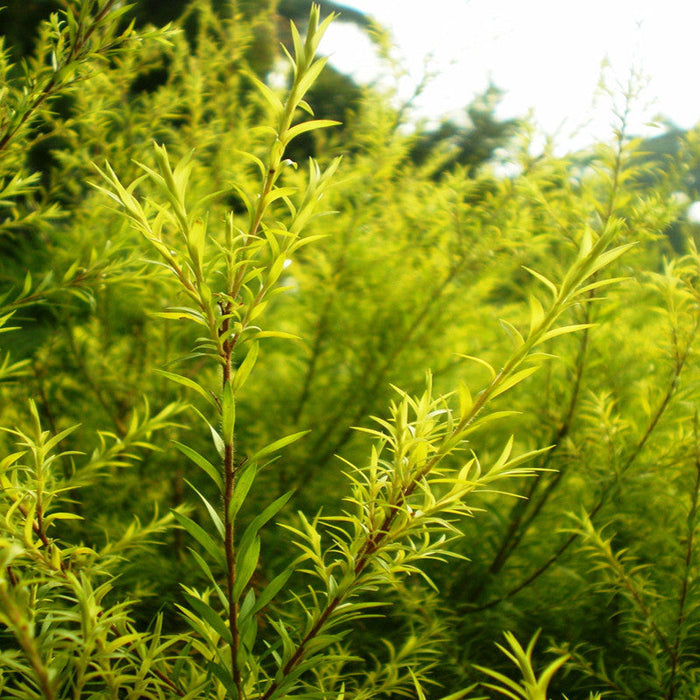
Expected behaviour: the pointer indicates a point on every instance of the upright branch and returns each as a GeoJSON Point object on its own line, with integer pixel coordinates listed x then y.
{"type": "Point", "coordinates": [66, 57]}
{"type": "Point", "coordinates": [249, 260]}
{"type": "Point", "coordinates": [396, 496]}
{"type": "Point", "coordinates": [406, 496]}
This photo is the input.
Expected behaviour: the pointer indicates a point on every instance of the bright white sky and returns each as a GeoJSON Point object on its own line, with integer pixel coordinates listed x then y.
{"type": "Point", "coordinates": [545, 54]}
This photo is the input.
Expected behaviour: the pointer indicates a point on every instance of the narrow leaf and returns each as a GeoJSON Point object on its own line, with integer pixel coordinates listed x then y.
{"type": "Point", "coordinates": [513, 332]}
{"type": "Point", "coordinates": [259, 520]}
{"type": "Point", "coordinates": [189, 383]}
{"type": "Point", "coordinates": [215, 518]}
{"type": "Point", "coordinates": [241, 489]}
{"type": "Point", "coordinates": [277, 334]}
{"type": "Point", "coordinates": [272, 589]}
{"type": "Point", "coordinates": [277, 445]}
{"type": "Point", "coordinates": [483, 363]}
{"type": "Point", "coordinates": [228, 413]}
{"type": "Point", "coordinates": [308, 126]}
{"type": "Point", "coordinates": [208, 573]}
{"type": "Point", "coordinates": [547, 283]}
{"type": "Point", "coordinates": [50, 444]}
{"type": "Point", "coordinates": [563, 330]}
{"type": "Point", "coordinates": [536, 314]}
{"type": "Point", "coordinates": [210, 616]}
{"type": "Point", "coordinates": [246, 563]}
{"type": "Point", "coordinates": [243, 372]}
{"type": "Point", "coordinates": [465, 400]}
{"type": "Point", "coordinates": [268, 94]}
{"type": "Point", "coordinates": [205, 465]}
{"type": "Point", "coordinates": [513, 379]}
{"type": "Point", "coordinates": [218, 442]}
{"type": "Point", "coordinates": [201, 536]}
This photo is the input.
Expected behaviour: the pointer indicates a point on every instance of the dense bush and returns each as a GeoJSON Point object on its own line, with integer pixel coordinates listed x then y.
{"type": "Point", "coordinates": [330, 428]}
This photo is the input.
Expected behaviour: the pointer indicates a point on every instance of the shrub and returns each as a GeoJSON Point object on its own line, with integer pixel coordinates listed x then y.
{"type": "Point", "coordinates": [212, 546]}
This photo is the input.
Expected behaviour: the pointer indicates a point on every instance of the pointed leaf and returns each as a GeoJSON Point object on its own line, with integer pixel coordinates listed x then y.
{"type": "Point", "coordinates": [205, 465]}
{"type": "Point", "coordinates": [513, 379]}
{"type": "Point", "coordinates": [465, 400]}
{"type": "Point", "coordinates": [513, 332]}
{"type": "Point", "coordinates": [272, 589]}
{"type": "Point", "coordinates": [50, 444]}
{"type": "Point", "coordinates": [242, 487]}
{"type": "Point", "coordinates": [277, 334]}
{"type": "Point", "coordinates": [277, 445]}
{"type": "Point", "coordinates": [199, 534]}
{"type": "Point", "coordinates": [309, 126]}
{"type": "Point", "coordinates": [268, 94]}
{"type": "Point", "coordinates": [189, 383]}
{"type": "Point", "coordinates": [228, 413]}
{"type": "Point", "coordinates": [547, 283]}
{"type": "Point", "coordinates": [563, 330]}
{"type": "Point", "coordinates": [608, 257]}
{"type": "Point", "coordinates": [246, 563]}
{"type": "Point", "coordinates": [218, 442]}
{"type": "Point", "coordinates": [536, 314]}
{"type": "Point", "coordinates": [243, 372]}
{"type": "Point", "coordinates": [208, 573]}
{"type": "Point", "coordinates": [210, 616]}
{"type": "Point", "coordinates": [215, 518]}
{"type": "Point", "coordinates": [259, 520]}
{"type": "Point", "coordinates": [483, 363]}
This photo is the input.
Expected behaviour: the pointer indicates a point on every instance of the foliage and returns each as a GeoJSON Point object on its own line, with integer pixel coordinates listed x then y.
{"type": "Point", "coordinates": [212, 484]}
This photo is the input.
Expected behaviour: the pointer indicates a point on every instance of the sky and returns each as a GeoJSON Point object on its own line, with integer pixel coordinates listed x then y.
{"type": "Point", "coordinates": [547, 55]}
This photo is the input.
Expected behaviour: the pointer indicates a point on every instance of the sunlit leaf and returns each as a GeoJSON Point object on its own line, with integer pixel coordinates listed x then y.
{"type": "Point", "coordinates": [277, 445]}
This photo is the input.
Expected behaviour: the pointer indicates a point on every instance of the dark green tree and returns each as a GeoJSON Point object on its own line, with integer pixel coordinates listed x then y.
{"type": "Point", "coordinates": [470, 143]}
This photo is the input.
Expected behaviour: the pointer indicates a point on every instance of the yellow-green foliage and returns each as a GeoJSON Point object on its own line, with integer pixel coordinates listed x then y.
{"type": "Point", "coordinates": [263, 419]}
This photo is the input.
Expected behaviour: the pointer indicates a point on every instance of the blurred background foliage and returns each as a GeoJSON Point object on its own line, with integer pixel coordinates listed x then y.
{"type": "Point", "coordinates": [422, 257]}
